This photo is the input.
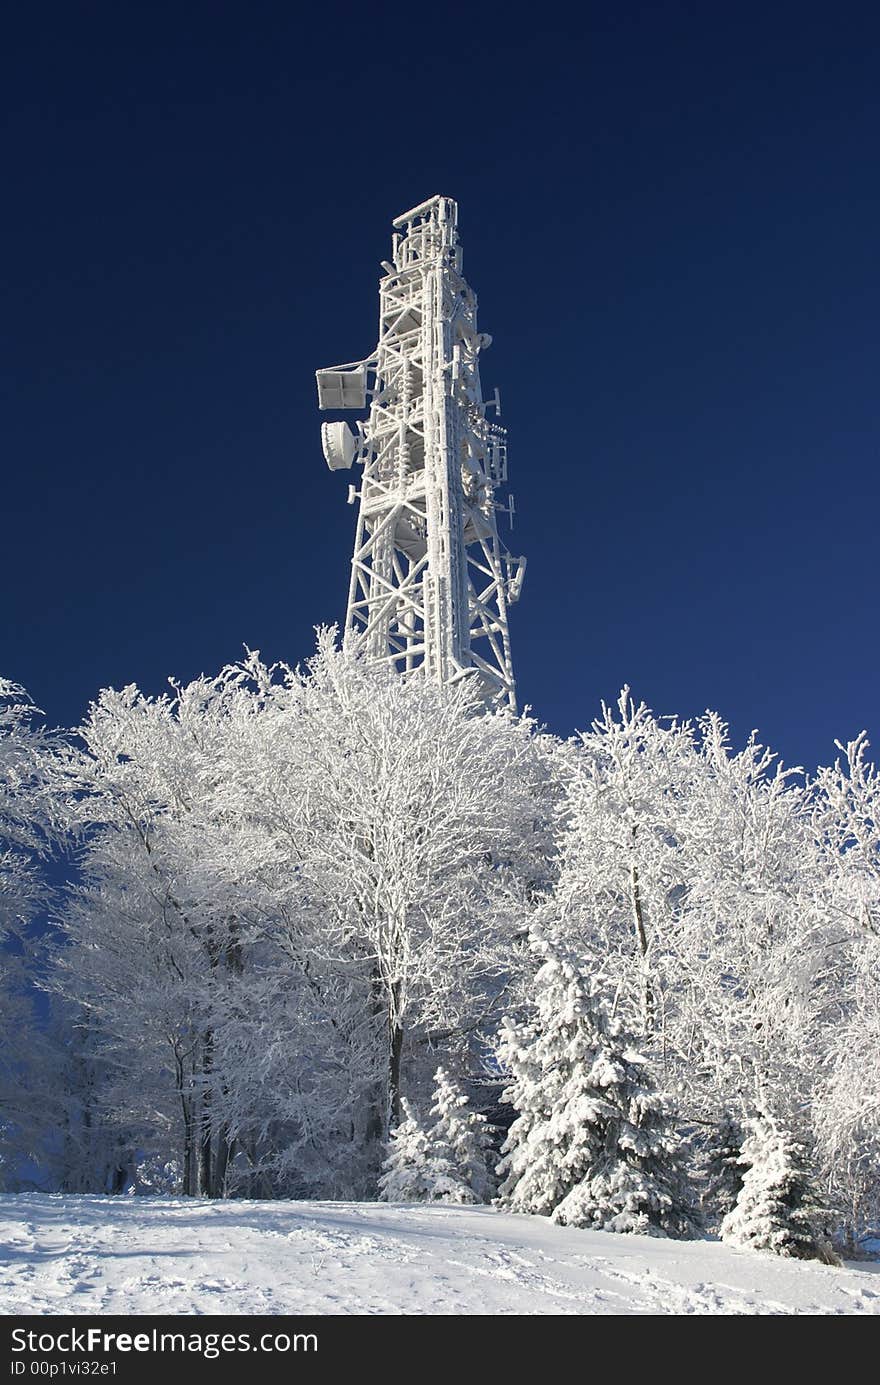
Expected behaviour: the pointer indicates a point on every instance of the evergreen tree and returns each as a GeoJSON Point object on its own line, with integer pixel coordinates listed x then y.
{"type": "Point", "coordinates": [403, 1177]}
{"type": "Point", "coordinates": [722, 1168]}
{"type": "Point", "coordinates": [464, 1132]}
{"type": "Point", "coordinates": [443, 1162]}
{"type": "Point", "coordinates": [444, 1180]}
{"type": "Point", "coordinates": [593, 1143]}
{"type": "Point", "coordinates": [776, 1209]}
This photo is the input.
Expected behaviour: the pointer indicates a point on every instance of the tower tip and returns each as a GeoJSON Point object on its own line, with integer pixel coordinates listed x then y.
{"type": "Point", "coordinates": [438, 200]}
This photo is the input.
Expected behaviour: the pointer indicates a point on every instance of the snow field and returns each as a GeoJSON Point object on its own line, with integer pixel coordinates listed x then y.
{"type": "Point", "coordinates": [93, 1255]}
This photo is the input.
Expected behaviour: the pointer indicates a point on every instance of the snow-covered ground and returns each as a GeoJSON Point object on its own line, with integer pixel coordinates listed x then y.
{"type": "Point", "coordinates": [111, 1255]}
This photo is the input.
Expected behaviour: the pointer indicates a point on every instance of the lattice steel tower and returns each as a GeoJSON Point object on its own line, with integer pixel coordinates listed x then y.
{"type": "Point", "coordinates": [431, 582]}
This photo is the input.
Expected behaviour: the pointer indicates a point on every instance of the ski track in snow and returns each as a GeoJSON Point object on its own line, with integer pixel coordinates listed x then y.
{"type": "Point", "coordinates": [93, 1255]}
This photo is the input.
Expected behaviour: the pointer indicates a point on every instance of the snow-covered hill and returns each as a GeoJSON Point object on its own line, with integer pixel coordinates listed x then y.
{"type": "Point", "coordinates": [151, 1255]}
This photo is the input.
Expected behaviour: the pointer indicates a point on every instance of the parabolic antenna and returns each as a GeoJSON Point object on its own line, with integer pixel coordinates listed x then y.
{"type": "Point", "coordinates": [339, 444]}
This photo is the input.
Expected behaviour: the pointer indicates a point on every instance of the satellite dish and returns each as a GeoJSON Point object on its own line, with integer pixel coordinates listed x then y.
{"type": "Point", "coordinates": [339, 444]}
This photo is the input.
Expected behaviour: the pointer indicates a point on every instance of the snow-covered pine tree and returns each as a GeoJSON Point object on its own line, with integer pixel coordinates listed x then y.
{"type": "Point", "coordinates": [593, 1143]}
{"type": "Point", "coordinates": [403, 1177]}
{"type": "Point", "coordinates": [722, 1166]}
{"type": "Point", "coordinates": [777, 1209]}
{"type": "Point", "coordinates": [443, 1162]}
{"type": "Point", "coordinates": [464, 1132]}
{"type": "Point", "coordinates": [444, 1180]}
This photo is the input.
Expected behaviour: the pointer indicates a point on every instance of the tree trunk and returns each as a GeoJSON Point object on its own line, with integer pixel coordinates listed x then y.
{"type": "Point", "coordinates": [189, 1149]}
{"type": "Point", "coordinates": [206, 1180]}
{"type": "Point", "coordinates": [221, 1162]}
{"type": "Point", "coordinates": [375, 1126]}
{"type": "Point", "coordinates": [189, 1170]}
{"type": "Point", "coordinates": [394, 1056]}
{"type": "Point", "coordinates": [648, 1005]}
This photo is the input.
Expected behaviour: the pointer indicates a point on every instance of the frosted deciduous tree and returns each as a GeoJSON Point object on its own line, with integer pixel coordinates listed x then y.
{"type": "Point", "coordinates": [298, 883]}
{"type": "Point", "coordinates": [33, 798]}
{"type": "Point", "coordinates": [846, 1107]}
{"type": "Point", "coordinates": [620, 866]}
{"type": "Point", "coordinates": [34, 1097]}
{"type": "Point", "coordinates": [36, 793]}
{"type": "Point", "coordinates": [846, 1111]}
{"type": "Point", "coordinates": [290, 876]}
{"type": "Point", "coordinates": [418, 802]}
{"type": "Point", "coordinates": [210, 1031]}
{"type": "Point", "coordinates": [846, 820]}
{"type": "Point", "coordinates": [749, 949]}
{"type": "Point", "coordinates": [688, 872]}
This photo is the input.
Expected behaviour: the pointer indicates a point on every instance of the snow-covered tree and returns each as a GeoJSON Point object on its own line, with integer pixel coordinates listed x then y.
{"type": "Point", "coordinates": [846, 1106]}
{"type": "Point", "coordinates": [294, 881]}
{"type": "Point", "coordinates": [34, 796]}
{"type": "Point", "coordinates": [722, 1170]}
{"type": "Point", "coordinates": [749, 948]}
{"type": "Point", "coordinates": [417, 801]}
{"type": "Point", "coordinates": [688, 874]}
{"type": "Point", "coordinates": [443, 1161]}
{"type": "Point", "coordinates": [421, 1165]}
{"type": "Point", "coordinates": [297, 884]}
{"type": "Point", "coordinates": [847, 827]}
{"type": "Point", "coordinates": [444, 1179]}
{"type": "Point", "coordinates": [208, 1031]}
{"type": "Point", "coordinates": [620, 863]}
{"type": "Point", "coordinates": [462, 1130]}
{"type": "Point", "coordinates": [593, 1142]}
{"type": "Point", "coordinates": [33, 1100]}
{"type": "Point", "coordinates": [37, 792]}
{"type": "Point", "coordinates": [403, 1170]}
{"type": "Point", "coordinates": [776, 1209]}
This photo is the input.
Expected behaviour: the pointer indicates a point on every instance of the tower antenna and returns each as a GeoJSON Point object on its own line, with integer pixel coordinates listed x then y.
{"type": "Point", "coordinates": [431, 582]}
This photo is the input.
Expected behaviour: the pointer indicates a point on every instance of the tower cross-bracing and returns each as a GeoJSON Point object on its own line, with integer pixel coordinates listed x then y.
{"type": "Point", "coordinates": [431, 582]}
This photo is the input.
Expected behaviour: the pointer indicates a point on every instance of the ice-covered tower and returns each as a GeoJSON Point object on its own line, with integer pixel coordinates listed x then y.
{"type": "Point", "coordinates": [431, 582]}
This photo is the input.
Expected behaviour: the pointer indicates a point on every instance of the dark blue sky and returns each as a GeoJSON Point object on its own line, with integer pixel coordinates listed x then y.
{"type": "Point", "coordinates": [671, 215]}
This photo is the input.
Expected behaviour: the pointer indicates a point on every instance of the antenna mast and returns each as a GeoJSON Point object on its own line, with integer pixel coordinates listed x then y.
{"type": "Point", "coordinates": [431, 582]}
